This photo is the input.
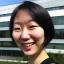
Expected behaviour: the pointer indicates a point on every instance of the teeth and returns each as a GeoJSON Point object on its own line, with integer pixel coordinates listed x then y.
{"type": "Point", "coordinates": [26, 44]}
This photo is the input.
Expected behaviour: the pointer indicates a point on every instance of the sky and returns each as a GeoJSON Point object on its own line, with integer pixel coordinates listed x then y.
{"type": "Point", "coordinates": [7, 2]}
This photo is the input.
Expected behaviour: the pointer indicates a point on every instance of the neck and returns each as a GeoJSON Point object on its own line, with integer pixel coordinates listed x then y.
{"type": "Point", "coordinates": [38, 58]}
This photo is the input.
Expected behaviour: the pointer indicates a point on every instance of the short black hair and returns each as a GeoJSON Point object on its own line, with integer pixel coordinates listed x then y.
{"type": "Point", "coordinates": [40, 15]}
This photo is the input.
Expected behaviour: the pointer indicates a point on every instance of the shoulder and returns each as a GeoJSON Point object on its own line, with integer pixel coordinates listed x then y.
{"type": "Point", "coordinates": [49, 61]}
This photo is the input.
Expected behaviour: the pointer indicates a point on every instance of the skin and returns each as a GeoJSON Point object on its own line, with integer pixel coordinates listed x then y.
{"type": "Point", "coordinates": [29, 37]}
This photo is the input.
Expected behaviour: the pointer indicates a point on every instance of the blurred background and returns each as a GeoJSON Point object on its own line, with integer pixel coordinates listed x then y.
{"type": "Point", "coordinates": [56, 11]}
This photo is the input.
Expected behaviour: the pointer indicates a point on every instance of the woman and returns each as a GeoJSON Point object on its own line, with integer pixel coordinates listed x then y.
{"type": "Point", "coordinates": [31, 28]}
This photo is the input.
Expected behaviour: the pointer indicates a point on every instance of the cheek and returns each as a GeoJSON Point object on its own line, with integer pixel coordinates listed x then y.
{"type": "Point", "coordinates": [39, 38]}
{"type": "Point", "coordinates": [15, 35]}
{"type": "Point", "coordinates": [38, 34]}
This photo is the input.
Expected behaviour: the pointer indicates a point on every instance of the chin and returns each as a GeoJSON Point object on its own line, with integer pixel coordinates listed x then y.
{"type": "Point", "coordinates": [28, 53]}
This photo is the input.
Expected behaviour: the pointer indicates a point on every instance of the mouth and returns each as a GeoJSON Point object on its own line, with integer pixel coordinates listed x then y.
{"type": "Point", "coordinates": [27, 44]}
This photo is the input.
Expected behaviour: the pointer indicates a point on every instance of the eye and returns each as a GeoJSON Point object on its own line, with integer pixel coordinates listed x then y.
{"type": "Point", "coordinates": [32, 27]}
{"type": "Point", "coordinates": [17, 29]}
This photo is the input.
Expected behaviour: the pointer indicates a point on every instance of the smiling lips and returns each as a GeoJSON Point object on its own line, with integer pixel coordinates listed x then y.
{"type": "Point", "coordinates": [27, 44]}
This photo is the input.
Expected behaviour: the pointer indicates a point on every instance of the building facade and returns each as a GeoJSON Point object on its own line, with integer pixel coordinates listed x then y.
{"type": "Point", "coordinates": [56, 11]}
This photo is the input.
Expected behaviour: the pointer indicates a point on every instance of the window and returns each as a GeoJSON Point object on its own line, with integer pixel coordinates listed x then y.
{"type": "Point", "coordinates": [59, 34]}
{"type": "Point", "coordinates": [55, 8]}
{"type": "Point", "coordinates": [4, 34]}
{"type": "Point", "coordinates": [59, 20]}
{"type": "Point", "coordinates": [2, 15]}
{"type": "Point", "coordinates": [7, 44]}
{"type": "Point", "coordinates": [55, 46]}
{"type": "Point", "coordinates": [4, 24]}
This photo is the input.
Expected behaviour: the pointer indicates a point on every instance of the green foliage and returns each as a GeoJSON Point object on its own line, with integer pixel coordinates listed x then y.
{"type": "Point", "coordinates": [10, 62]}
{"type": "Point", "coordinates": [25, 58]}
{"type": "Point", "coordinates": [57, 57]}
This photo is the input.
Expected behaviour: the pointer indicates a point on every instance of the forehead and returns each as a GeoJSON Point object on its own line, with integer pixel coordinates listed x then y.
{"type": "Point", "coordinates": [22, 15]}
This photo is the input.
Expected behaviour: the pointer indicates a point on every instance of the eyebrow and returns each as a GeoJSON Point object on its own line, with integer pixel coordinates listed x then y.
{"type": "Point", "coordinates": [17, 22]}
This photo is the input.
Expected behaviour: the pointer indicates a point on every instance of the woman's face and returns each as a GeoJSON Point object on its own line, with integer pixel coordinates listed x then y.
{"type": "Point", "coordinates": [28, 35]}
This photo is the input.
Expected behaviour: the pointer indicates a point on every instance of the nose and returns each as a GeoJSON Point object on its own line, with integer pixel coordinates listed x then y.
{"type": "Point", "coordinates": [25, 34]}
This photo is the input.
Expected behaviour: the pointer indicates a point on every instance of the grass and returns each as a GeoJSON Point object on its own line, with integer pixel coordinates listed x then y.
{"type": "Point", "coordinates": [57, 57]}
{"type": "Point", "coordinates": [1, 62]}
